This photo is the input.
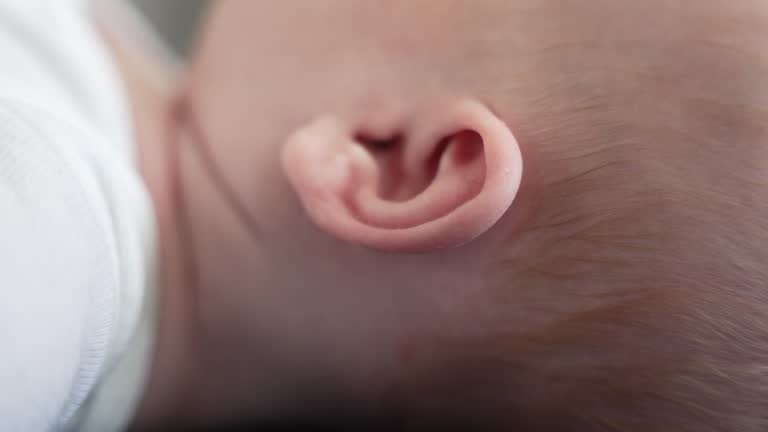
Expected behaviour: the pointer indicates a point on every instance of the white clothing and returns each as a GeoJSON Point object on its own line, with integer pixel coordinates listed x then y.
{"type": "Point", "coordinates": [77, 240]}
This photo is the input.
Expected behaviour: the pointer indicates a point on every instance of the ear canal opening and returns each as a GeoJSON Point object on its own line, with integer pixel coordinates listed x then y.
{"type": "Point", "coordinates": [379, 144]}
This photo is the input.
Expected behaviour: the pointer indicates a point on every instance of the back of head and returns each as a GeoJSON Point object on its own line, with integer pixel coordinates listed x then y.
{"type": "Point", "coordinates": [635, 297]}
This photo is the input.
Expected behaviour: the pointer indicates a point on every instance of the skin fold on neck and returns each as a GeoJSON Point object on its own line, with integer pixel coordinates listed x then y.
{"type": "Point", "coordinates": [187, 385]}
{"type": "Point", "coordinates": [151, 92]}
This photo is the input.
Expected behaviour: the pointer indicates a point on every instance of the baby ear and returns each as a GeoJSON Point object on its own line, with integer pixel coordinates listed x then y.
{"type": "Point", "coordinates": [440, 183]}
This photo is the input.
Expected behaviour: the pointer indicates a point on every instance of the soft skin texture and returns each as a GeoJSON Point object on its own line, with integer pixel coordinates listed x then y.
{"type": "Point", "coordinates": [608, 167]}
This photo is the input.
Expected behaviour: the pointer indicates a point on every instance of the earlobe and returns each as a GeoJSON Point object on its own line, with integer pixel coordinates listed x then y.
{"type": "Point", "coordinates": [442, 183]}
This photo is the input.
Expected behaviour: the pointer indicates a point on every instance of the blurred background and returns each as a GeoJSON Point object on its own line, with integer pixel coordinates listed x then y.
{"type": "Point", "coordinates": [175, 20]}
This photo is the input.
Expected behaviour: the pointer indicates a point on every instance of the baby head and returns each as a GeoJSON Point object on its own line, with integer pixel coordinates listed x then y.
{"type": "Point", "coordinates": [538, 214]}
